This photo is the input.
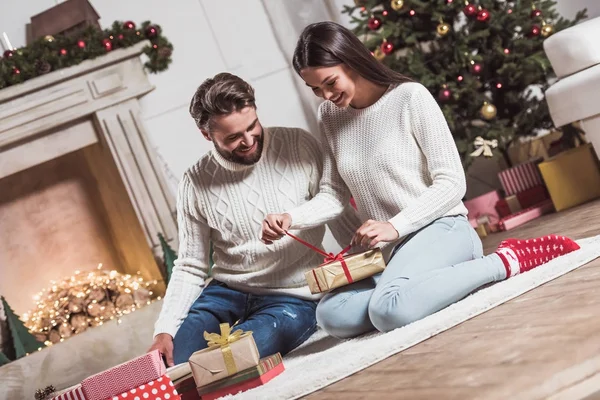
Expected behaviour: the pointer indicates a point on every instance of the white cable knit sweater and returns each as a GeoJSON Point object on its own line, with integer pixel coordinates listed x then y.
{"type": "Point", "coordinates": [396, 157]}
{"type": "Point", "coordinates": [225, 203]}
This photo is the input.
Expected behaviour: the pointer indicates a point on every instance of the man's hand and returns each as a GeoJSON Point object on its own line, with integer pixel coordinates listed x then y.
{"type": "Point", "coordinates": [373, 232]}
{"type": "Point", "coordinates": [163, 342]}
{"type": "Point", "coordinates": [275, 226]}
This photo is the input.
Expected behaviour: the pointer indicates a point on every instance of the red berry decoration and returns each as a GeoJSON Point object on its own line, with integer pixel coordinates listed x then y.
{"type": "Point", "coordinates": [374, 23]}
{"type": "Point", "coordinates": [470, 10]}
{"type": "Point", "coordinates": [483, 15]}
{"type": "Point", "coordinates": [476, 69]}
{"type": "Point", "coordinates": [81, 44]}
{"type": "Point", "coordinates": [536, 13]}
{"type": "Point", "coordinates": [130, 25]}
{"type": "Point", "coordinates": [107, 44]}
{"type": "Point", "coordinates": [535, 30]}
{"type": "Point", "coordinates": [151, 31]}
{"type": "Point", "coordinates": [387, 47]}
{"type": "Point", "coordinates": [8, 54]}
{"type": "Point", "coordinates": [63, 52]}
{"type": "Point", "coordinates": [445, 95]}
{"type": "Point", "coordinates": [120, 36]}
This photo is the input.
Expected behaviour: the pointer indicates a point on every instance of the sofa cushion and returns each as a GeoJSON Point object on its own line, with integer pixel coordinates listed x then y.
{"type": "Point", "coordinates": [574, 49]}
{"type": "Point", "coordinates": [575, 97]}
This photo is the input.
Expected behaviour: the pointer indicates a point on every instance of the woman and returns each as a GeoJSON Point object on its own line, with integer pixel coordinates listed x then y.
{"type": "Point", "coordinates": [388, 145]}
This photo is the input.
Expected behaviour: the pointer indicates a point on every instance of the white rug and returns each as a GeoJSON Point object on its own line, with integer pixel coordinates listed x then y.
{"type": "Point", "coordinates": [323, 360]}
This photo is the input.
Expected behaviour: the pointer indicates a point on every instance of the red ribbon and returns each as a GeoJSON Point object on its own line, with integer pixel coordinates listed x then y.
{"type": "Point", "coordinates": [329, 258]}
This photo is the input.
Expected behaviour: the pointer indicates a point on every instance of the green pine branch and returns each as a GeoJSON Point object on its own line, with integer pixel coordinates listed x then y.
{"type": "Point", "coordinates": [23, 341]}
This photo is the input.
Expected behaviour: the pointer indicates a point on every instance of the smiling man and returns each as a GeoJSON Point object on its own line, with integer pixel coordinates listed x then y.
{"type": "Point", "coordinates": [251, 172]}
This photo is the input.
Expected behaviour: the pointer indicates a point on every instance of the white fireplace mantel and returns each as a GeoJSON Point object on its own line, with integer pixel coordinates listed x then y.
{"type": "Point", "coordinates": [95, 102]}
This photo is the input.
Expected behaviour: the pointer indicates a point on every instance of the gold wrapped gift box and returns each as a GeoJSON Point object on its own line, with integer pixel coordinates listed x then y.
{"type": "Point", "coordinates": [227, 354]}
{"type": "Point", "coordinates": [572, 177]}
{"type": "Point", "coordinates": [344, 271]}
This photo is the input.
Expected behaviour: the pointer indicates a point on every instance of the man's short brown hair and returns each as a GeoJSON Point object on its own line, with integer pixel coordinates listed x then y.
{"type": "Point", "coordinates": [221, 95]}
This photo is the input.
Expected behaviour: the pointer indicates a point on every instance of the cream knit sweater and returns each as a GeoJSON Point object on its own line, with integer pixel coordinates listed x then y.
{"type": "Point", "coordinates": [396, 157]}
{"type": "Point", "coordinates": [225, 203]}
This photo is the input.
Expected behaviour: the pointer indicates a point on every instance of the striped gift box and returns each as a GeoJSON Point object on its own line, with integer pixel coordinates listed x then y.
{"type": "Point", "coordinates": [522, 177]}
{"type": "Point", "coordinates": [74, 393]}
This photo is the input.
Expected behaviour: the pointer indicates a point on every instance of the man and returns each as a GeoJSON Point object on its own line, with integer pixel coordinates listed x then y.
{"type": "Point", "coordinates": [224, 199]}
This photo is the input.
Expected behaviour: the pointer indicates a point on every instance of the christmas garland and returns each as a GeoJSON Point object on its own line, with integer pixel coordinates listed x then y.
{"type": "Point", "coordinates": [52, 53]}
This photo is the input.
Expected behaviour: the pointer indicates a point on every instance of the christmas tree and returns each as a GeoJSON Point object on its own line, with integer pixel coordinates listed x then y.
{"type": "Point", "coordinates": [3, 359]}
{"type": "Point", "coordinates": [23, 341]}
{"type": "Point", "coordinates": [169, 257]}
{"type": "Point", "coordinates": [482, 60]}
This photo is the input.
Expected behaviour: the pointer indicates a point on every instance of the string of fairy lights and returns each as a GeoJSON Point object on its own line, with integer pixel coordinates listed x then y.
{"type": "Point", "coordinates": [86, 299]}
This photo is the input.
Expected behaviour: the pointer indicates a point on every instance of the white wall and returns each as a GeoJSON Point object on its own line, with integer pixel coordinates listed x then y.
{"type": "Point", "coordinates": [568, 8]}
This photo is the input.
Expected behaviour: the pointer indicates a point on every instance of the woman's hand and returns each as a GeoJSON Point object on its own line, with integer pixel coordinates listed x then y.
{"type": "Point", "coordinates": [275, 226]}
{"type": "Point", "coordinates": [373, 232]}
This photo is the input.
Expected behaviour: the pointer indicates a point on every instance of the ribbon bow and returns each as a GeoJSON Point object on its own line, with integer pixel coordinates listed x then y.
{"type": "Point", "coordinates": [329, 258]}
{"type": "Point", "coordinates": [484, 147]}
{"type": "Point", "coordinates": [223, 341]}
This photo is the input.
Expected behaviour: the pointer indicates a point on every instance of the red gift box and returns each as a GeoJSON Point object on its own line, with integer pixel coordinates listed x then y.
{"type": "Point", "coordinates": [124, 377]}
{"type": "Point", "coordinates": [531, 197]}
{"type": "Point", "coordinates": [157, 389]}
{"type": "Point", "coordinates": [483, 206]}
{"type": "Point", "coordinates": [246, 385]}
{"type": "Point", "coordinates": [520, 178]}
{"type": "Point", "coordinates": [74, 393]}
{"type": "Point", "coordinates": [527, 215]}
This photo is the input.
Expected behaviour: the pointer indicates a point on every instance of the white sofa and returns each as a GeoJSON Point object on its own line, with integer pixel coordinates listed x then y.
{"type": "Point", "coordinates": [575, 56]}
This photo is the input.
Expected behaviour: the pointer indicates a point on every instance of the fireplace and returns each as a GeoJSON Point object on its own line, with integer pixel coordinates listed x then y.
{"type": "Point", "coordinates": [80, 183]}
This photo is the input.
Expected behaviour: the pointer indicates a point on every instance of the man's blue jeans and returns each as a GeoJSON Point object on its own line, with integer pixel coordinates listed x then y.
{"type": "Point", "coordinates": [279, 323]}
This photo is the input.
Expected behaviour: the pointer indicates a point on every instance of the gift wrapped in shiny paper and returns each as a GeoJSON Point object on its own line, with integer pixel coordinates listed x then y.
{"type": "Point", "coordinates": [227, 353]}
{"type": "Point", "coordinates": [340, 271]}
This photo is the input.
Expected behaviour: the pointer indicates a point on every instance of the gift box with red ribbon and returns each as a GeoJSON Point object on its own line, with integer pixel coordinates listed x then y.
{"type": "Point", "coordinates": [338, 270]}
{"type": "Point", "coordinates": [520, 178]}
{"type": "Point", "coordinates": [526, 215]}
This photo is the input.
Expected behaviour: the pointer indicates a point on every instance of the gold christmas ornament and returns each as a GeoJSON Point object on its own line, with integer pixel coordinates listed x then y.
{"type": "Point", "coordinates": [378, 54]}
{"type": "Point", "coordinates": [397, 4]}
{"type": "Point", "coordinates": [547, 30]}
{"type": "Point", "coordinates": [443, 28]}
{"type": "Point", "coordinates": [49, 38]}
{"type": "Point", "coordinates": [488, 111]}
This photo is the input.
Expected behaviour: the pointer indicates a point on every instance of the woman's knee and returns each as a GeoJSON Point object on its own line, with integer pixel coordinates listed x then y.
{"type": "Point", "coordinates": [389, 311]}
{"type": "Point", "coordinates": [339, 319]}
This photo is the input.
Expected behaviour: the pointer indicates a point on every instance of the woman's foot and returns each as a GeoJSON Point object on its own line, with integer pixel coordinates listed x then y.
{"type": "Point", "coordinates": [520, 256]}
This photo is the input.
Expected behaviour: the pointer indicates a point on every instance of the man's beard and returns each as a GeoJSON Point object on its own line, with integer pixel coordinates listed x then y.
{"type": "Point", "coordinates": [245, 160]}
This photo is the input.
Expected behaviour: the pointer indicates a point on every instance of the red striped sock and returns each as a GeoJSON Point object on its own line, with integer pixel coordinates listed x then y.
{"type": "Point", "coordinates": [520, 256]}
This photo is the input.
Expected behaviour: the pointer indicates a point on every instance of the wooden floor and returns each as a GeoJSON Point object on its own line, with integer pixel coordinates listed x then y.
{"type": "Point", "coordinates": [544, 344]}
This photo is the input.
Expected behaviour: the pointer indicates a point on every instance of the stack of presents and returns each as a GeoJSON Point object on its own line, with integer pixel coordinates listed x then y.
{"type": "Point", "coordinates": [537, 184]}
{"type": "Point", "coordinates": [230, 364]}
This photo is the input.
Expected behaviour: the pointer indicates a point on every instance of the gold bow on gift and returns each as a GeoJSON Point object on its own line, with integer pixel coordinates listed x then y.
{"type": "Point", "coordinates": [484, 147]}
{"type": "Point", "coordinates": [223, 341]}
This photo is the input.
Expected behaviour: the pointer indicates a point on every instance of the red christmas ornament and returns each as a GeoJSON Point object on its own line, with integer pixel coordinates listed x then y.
{"type": "Point", "coordinates": [535, 30]}
{"type": "Point", "coordinates": [445, 94]}
{"type": "Point", "coordinates": [448, 1]}
{"type": "Point", "coordinates": [498, 85]}
{"type": "Point", "coordinates": [63, 52]}
{"type": "Point", "coordinates": [460, 78]}
{"type": "Point", "coordinates": [412, 13]}
{"type": "Point", "coordinates": [470, 10]}
{"type": "Point", "coordinates": [151, 31]}
{"type": "Point", "coordinates": [476, 69]}
{"type": "Point", "coordinates": [506, 51]}
{"type": "Point", "coordinates": [483, 15]}
{"type": "Point", "coordinates": [107, 44]}
{"type": "Point", "coordinates": [81, 44]}
{"type": "Point", "coordinates": [129, 25]}
{"type": "Point", "coordinates": [387, 47]}
{"type": "Point", "coordinates": [121, 36]}
{"type": "Point", "coordinates": [16, 71]}
{"type": "Point", "coordinates": [385, 13]}
{"type": "Point", "coordinates": [536, 13]}
{"type": "Point", "coordinates": [8, 54]}
{"type": "Point", "coordinates": [509, 11]}
{"type": "Point", "coordinates": [374, 23]}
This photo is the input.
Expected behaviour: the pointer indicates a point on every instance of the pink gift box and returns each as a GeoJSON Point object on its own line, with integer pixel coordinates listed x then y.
{"type": "Point", "coordinates": [520, 178]}
{"type": "Point", "coordinates": [483, 206]}
{"type": "Point", "coordinates": [124, 377]}
{"type": "Point", "coordinates": [526, 215]}
{"type": "Point", "coordinates": [74, 393]}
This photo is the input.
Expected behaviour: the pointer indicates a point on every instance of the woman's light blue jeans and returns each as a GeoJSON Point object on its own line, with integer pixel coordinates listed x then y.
{"type": "Point", "coordinates": [433, 268]}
